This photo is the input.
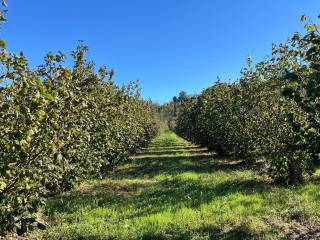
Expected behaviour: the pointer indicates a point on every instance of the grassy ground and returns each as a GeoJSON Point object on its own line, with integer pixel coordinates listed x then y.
{"type": "Point", "coordinates": [174, 190]}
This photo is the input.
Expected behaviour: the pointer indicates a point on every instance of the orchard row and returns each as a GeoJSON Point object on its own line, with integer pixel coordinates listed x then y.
{"type": "Point", "coordinates": [60, 125]}
{"type": "Point", "coordinates": [272, 113]}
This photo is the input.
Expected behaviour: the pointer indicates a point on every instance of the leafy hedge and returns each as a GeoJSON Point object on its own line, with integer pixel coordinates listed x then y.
{"type": "Point", "coordinates": [271, 113]}
{"type": "Point", "coordinates": [59, 125]}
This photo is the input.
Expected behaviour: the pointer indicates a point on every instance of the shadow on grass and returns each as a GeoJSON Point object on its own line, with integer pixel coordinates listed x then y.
{"type": "Point", "coordinates": [211, 232]}
{"type": "Point", "coordinates": [171, 147]}
{"type": "Point", "coordinates": [197, 150]}
{"type": "Point", "coordinates": [134, 186]}
{"type": "Point", "coordinates": [154, 196]}
{"type": "Point", "coordinates": [238, 232]}
{"type": "Point", "coordinates": [149, 166]}
{"type": "Point", "coordinates": [176, 193]}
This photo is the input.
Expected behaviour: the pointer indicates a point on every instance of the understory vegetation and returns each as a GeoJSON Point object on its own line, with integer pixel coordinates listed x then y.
{"type": "Point", "coordinates": [270, 114]}
{"type": "Point", "coordinates": [177, 190]}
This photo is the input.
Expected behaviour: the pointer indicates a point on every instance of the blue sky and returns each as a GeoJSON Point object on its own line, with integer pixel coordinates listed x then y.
{"type": "Point", "coordinates": [168, 45]}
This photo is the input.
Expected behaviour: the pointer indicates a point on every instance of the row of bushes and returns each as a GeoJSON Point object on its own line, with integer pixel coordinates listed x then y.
{"type": "Point", "coordinates": [271, 113]}
{"type": "Point", "coordinates": [59, 125]}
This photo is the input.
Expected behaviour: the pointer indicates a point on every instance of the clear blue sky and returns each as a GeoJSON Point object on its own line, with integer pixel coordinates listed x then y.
{"type": "Point", "coordinates": [168, 45]}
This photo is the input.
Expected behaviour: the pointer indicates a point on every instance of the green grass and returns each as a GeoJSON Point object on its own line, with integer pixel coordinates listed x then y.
{"type": "Point", "coordinates": [175, 190]}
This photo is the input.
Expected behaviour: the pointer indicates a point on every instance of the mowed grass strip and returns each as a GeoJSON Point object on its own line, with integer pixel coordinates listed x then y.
{"type": "Point", "coordinates": [175, 190]}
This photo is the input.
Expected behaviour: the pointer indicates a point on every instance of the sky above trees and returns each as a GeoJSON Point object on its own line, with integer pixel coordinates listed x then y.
{"type": "Point", "coordinates": [168, 45]}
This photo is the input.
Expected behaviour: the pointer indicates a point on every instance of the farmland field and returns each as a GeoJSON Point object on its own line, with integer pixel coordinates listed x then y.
{"type": "Point", "coordinates": [176, 190]}
{"type": "Point", "coordinates": [160, 150]}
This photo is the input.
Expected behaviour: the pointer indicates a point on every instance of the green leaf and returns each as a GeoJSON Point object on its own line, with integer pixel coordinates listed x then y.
{"type": "Point", "coordinates": [4, 3]}
{"type": "Point", "coordinates": [303, 18]}
{"type": "Point", "coordinates": [48, 96]}
{"type": "Point", "coordinates": [3, 43]}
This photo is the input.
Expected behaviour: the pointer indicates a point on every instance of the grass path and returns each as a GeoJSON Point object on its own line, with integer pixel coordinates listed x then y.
{"type": "Point", "coordinates": [175, 190]}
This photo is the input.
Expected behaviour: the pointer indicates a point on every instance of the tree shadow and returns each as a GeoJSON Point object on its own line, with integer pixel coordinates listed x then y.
{"type": "Point", "coordinates": [153, 197]}
{"type": "Point", "coordinates": [150, 166]}
{"type": "Point", "coordinates": [171, 147]}
{"type": "Point", "coordinates": [197, 150]}
{"type": "Point", "coordinates": [240, 232]}
{"type": "Point", "coordinates": [134, 186]}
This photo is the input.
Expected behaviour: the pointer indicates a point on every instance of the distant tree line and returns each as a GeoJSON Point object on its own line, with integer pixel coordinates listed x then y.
{"type": "Point", "coordinates": [169, 111]}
